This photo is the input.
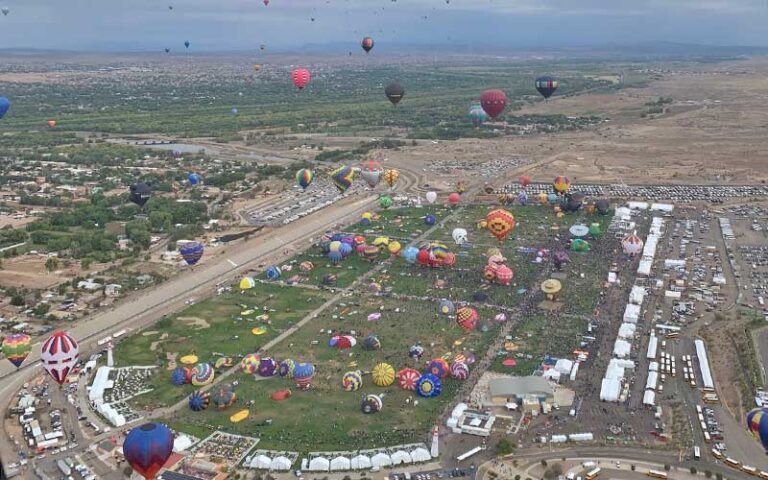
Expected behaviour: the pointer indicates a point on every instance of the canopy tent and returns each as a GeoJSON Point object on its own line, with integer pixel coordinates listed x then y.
{"type": "Point", "coordinates": [420, 455]}
{"type": "Point", "coordinates": [281, 463]}
{"type": "Point", "coordinates": [340, 463]}
{"type": "Point", "coordinates": [381, 460]}
{"type": "Point", "coordinates": [401, 456]}
{"type": "Point", "coordinates": [319, 464]}
{"type": "Point", "coordinates": [360, 462]}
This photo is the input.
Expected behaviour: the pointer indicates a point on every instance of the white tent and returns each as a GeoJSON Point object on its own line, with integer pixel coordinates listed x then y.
{"type": "Point", "coordinates": [381, 460]}
{"type": "Point", "coordinates": [609, 390]}
{"type": "Point", "coordinates": [552, 374]}
{"type": "Point", "coordinates": [401, 456]}
{"type": "Point", "coordinates": [627, 331]}
{"type": "Point", "coordinates": [181, 443]}
{"type": "Point", "coordinates": [614, 372]}
{"type": "Point", "coordinates": [631, 313]}
{"type": "Point", "coordinates": [360, 462]}
{"type": "Point", "coordinates": [649, 397]}
{"type": "Point", "coordinates": [637, 295]}
{"type": "Point", "coordinates": [340, 463]}
{"type": "Point", "coordinates": [653, 344]}
{"type": "Point", "coordinates": [653, 366]}
{"type": "Point", "coordinates": [459, 409]}
{"type": "Point", "coordinates": [564, 366]}
{"type": "Point", "coordinates": [420, 455]}
{"type": "Point", "coordinates": [319, 464]}
{"type": "Point", "coordinates": [280, 463]}
{"type": "Point", "coordinates": [652, 381]}
{"type": "Point", "coordinates": [261, 462]}
{"type": "Point", "coordinates": [622, 348]}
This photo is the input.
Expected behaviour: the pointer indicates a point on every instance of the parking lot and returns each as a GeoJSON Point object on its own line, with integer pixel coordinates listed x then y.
{"type": "Point", "coordinates": [678, 193]}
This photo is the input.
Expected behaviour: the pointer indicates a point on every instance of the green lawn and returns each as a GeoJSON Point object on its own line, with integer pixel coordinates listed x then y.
{"type": "Point", "coordinates": [228, 333]}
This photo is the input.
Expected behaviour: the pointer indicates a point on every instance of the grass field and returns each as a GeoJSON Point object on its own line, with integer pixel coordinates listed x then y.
{"type": "Point", "coordinates": [327, 417]}
{"type": "Point", "coordinates": [228, 333]}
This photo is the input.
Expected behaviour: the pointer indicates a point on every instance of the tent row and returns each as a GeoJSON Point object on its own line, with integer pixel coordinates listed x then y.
{"type": "Point", "coordinates": [321, 463]}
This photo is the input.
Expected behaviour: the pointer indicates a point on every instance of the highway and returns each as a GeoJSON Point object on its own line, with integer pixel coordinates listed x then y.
{"type": "Point", "coordinates": [150, 305]}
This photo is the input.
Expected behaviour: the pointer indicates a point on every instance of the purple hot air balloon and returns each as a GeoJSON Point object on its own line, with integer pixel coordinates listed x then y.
{"type": "Point", "coordinates": [148, 447]}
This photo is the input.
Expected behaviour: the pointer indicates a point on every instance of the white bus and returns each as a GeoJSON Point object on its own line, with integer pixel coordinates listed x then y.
{"type": "Point", "coordinates": [696, 452]}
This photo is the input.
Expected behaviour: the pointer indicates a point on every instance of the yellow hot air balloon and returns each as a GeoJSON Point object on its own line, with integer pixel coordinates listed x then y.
{"type": "Point", "coordinates": [390, 176]}
{"type": "Point", "coordinates": [383, 374]}
{"type": "Point", "coordinates": [257, 67]}
{"type": "Point", "coordinates": [394, 247]}
{"type": "Point", "coordinates": [239, 416]}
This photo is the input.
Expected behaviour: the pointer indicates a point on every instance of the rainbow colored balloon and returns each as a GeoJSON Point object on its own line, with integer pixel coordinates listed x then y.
{"type": "Point", "coordinates": [16, 348]}
{"type": "Point", "coordinates": [304, 177]}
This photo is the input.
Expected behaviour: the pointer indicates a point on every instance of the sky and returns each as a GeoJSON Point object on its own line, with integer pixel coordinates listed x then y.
{"type": "Point", "coordinates": [502, 25]}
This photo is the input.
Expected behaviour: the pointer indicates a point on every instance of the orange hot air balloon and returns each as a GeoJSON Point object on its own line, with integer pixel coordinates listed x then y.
{"type": "Point", "coordinates": [500, 223]}
{"type": "Point", "coordinates": [51, 123]}
{"type": "Point", "coordinates": [525, 180]}
{"type": "Point", "coordinates": [561, 184]}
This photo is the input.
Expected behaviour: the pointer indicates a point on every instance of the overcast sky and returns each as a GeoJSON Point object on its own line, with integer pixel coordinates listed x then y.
{"type": "Point", "coordinates": [212, 25]}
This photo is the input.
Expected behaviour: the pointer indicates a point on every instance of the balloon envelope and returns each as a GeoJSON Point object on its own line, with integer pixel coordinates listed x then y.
{"type": "Point", "coordinates": [431, 197]}
{"type": "Point", "coordinates": [367, 44]}
{"type": "Point", "coordinates": [394, 92]}
{"type": "Point", "coordinates": [59, 355]}
{"type": "Point", "coordinates": [5, 104]}
{"type": "Point", "coordinates": [147, 448]}
{"type": "Point", "coordinates": [493, 102]}
{"type": "Point", "coordinates": [16, 348]}
{"type": "Point", "coordinates": [301, 77]}
{"type": "Point", "coordinates": [139, 193]}
{"type": "Point", "coordinates": [192, 252]}
{"type": "Point", "coordinates": [546, 86]}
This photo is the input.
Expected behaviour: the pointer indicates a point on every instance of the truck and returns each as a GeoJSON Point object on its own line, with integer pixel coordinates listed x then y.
{"type": "Point", "coordinates": [63, 467]}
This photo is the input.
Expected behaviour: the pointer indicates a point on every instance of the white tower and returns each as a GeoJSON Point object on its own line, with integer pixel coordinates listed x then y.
{"type": "Point", "coordinates": [110, 358]}
{"type": "Point", "coordinates": [435, 451]}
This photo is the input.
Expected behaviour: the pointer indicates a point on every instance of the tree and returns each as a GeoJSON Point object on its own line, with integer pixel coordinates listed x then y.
{"type": "Point", "coordinates": [708, 473]}
{"type": "Point", "coordinates": [667, 467]}
{"type": "Point", "coordinates": [85, 263]}
{"type": "Point", "coordinates": [17, 300]}
{"type": "Point", "coordinates": [693, 471]}
{"type": "Point", "coordinates": [517, 477]}
{"type": "Point", "coordinates": [543, 463]}
{"type": "Point", "coordinates": [503, 447]}
{"type": "Point", "coordinates": [128, 471]}
{"type": "Point", "coordinates": [51, 264]}
{"type": "Point", "coordinates": [719, 476]}
{"type": "Point", "coordinates": [553, 472]}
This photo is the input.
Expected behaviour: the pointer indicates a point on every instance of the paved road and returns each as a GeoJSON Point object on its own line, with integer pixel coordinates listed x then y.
{"type": "Point", "coordinates": [171, 296]}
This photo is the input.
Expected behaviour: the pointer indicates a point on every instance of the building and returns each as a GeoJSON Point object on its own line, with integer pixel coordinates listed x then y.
{"type": "Point", "coordinates": [506, 390]}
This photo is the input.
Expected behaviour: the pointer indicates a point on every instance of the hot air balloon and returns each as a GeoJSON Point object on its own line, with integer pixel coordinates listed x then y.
{"type": "Point", "coordinates": [192, 252]}
{"type": "Point", "coordinates": [193, 178]}
{"type": "Point", "coordinates": [5, 11]}
{"type": "Point", "coordinates": [267, 367]}
{"type": "Point", "coordinates": [223, 396]}
{"type": "Point", "coordinates": [371, 172]}
{"type": "Point", "coordinates": [407, 378]}
{"type": "Point", "coordinates": [459, 236]}
{"type": "Point", "coordinates": [446, 307]}
{"type": "Point", "coordinates": [266, 3]}
{"type": "Point", "coordinates": [546, 86]}
{"type": "Point", "coordinates": [247, 283]}
{"type": "Point", "coordinates": [383, 374]}
{"type": "Point", "coordinates": [371, 342]}
{"type": "Point", "coordinates": [287, 367]}
{"type": "Point", "coordinates": [181, 376]}
{"type": "Point", "coordinates": [493, 102]}
{"type": "Point", "coordinates": [301, 77]}
{"type": "Point", "coordinates": [522, 198]}
{"type": "Point", "coordinates": [342, 342]}
{"type": "Point", "coordinates": [394, 92]}
{"type": "Point", "coordinates": [632, 245]}
{"type": "Point", "coordinates": [757, 425]}
{"type": "Point", "coordinates": [459, 370]}
{"type": "Point", "coordinates": [602, 206]}
{"type": "Point", "coordinates": [352, 381]}
{"type": "Point", "coordinates": [416, 351]}
{"type": "Point", "coordinates": [147, 448]}
{"type": "Point", "coordinates": [202, 374]}
{"type": "Point", "coordinates": [342, 178]}
{"type": "Point", "coordinates": [454, 199]}
{"type": "Point", "coordinates": [257, 67]}
{"type": "Point", "coordinates": [59, 355]}
{"type": "Point", "coordinates": [525, 180]}
{"type": "Point", "coordinates": [5, 104]}
{"type": "Point", "coordinates": [466, 318]}
{"type": "Point", "coordinates": [477, 115]}
{"type": "Point", "coordinates": [140, 193]}
{"type": "Point", "coordinates": [273, 273]}
{"type": "Point", "coordinates": [430, 219]}
{"type": "Point", "coordinates": [304, 177]}
{"type": "Point", "coordinates": [561, 184]}
{"type": "Point", "coordinates": [385, 201]}
{"type": "Point", "coordinates": [390, 176]}
{"type": "Point", "coordinates": [16, 348]}
{"type": "Point", "coordinates": [394, 247]}
{"type": "Point", "coordinates": [371, 404]}
{"type": "Point", "coordinates": [500, 223]}
{"type": "Point", "coordinates": [410, 253]}
{"type": "Point", "coordinates": [199, 401]}
{"type": "Point", "coordinates": [367, 44]}
{"type": "Point", "coordinates": [51, 123]}
{"type": "Point", "coordinates": [431, 197]}
{"type": "Point", "coordinates": [559, 258]}
{"type": "Point", "coordinates": [167, 50]}
{"type": "Point", "coordinates": [303, 375]}
{"type": "Point", "coordinates": [428, 386]}
{"type": "Point", "coordinates": [234, 110]}
{"type": "Point", "coordinates": [250, 363]}
{"type": "Point", "coordinates": [186, 44]}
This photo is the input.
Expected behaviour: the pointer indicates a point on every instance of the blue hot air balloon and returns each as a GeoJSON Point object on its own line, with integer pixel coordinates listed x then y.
{"type": "Point", "coordinates": [199, 401]}
{"type": "Point", "coordinates": [273, 273]}
{"type": "Point", "coordinates": [546, 86]}
{"type": "Point", "coordinates": [5, 104]}
{"type": "Point", "coordinates": [428, 386]}
{"type": "Point", "coordinates": [193, 178]}
{"type": "Point", "coordinates": [410, 253]}
{"type": "Point", "coordinates": [192, 252]}
{"type": "Point", "coordinates": [148, 447]}
{"type": "Point", "coordinates": [186, 44]}
{"type": "Point", "coordinates": [430, 219]}
{"type": "Point", "coordinates": [334, 257]}
{"type": "Point", "coordinates": [234, 111]}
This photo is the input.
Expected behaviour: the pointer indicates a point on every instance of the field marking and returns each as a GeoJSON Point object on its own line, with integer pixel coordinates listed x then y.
{"type": "Point", "coordinates": [232, 263]}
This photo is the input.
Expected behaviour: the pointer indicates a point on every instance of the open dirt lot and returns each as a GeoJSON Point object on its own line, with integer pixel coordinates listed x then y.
{"type": "Point", "coordinates": [712, 132]}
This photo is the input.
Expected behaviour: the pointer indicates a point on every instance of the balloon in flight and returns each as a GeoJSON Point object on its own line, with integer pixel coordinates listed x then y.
{"type": "Point", "coordinates": [16, 348]}
{"type": "Point", "coordinates": [147, 448]}
{"type": "Point", "coordinates": [367, 44]}
{"type": "Point", "coordinates": [546, 86]}
{"type": "Point", "coordinates": [59, 354]}
{"type": "Point", "coordinates": [140, 193]}
{"type": "Point", "coordinates": [301, 77]}
{"type": "Point", "coordinates": [304, 177]}
{"type": "Point", "coordinates": [493, 102]}
{"type": "Point", "coordinates": [5, 104]}
{"type": "Point", "coordinates": [394, 92]}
